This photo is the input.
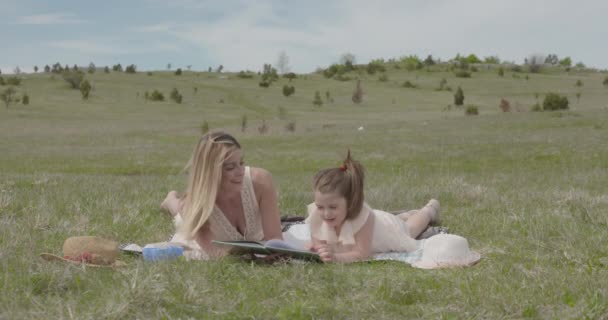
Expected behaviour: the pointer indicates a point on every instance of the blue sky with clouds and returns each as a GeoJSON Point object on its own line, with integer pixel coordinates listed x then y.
{"type": "Point", "coordinates": [314, 33]}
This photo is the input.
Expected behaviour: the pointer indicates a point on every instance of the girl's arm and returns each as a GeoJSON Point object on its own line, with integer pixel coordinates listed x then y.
{"type": "Point", "coordinates": [360, 251]}
{"type": "Point", "coordinates": [266, 195]}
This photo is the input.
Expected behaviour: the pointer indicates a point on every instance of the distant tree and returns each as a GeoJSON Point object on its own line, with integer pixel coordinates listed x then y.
{"type": "Point", "coordinates": [131, 68]}
{"type": "Point", "coordinates": [209, 70]}
{"type": "Point", "coordinates": [283, 63]}
{"type": "Point", "coordinates": [358, 93]}
{"type": "Point", "coordinates": [36, 69]}
{"type": "Point", "coordinates": [552, 59]}
{"type": "Point", "coordinates": [579, 83]}
{"type": "Point", "coordinates": [501, 72]}
{"type": "Point", "coordinates": [73, 78]}
{"type": "Point", "coordinates": [580, 65]}
{"type": "Point", "coordinates": [348, 60]}
{"type": "Point", "coordinates": [168, 66]}
{"type": "Point", "coordinates": [47, 69]}
{"type": "Point", "coordinates": [220, 68]}
{"type": "Point", "coordinates": [57, 68]}
{"type": "Point", "coordinates": [317, 101]}
{"type": "Point", "coordinates": [411, 62]}
{"type": "Point", "coordinates": [17, 70]}
{"type": "Point", "coordinates": [269, 75]}
{"type": "Point", "coordinates": [459, 97]}
{"type": "Point", "coordinates": [2, 83]}
{"type": "Point", "coordinates": [25, 99]}
{"type": "Point", "coordinates": [7, 96]}
{"type": "Point", "coordinates": [290, 76]}
{"type": "Point", "coordinates": [491, 60]}
{"type": "Point", "coordinates": [429, 60]}
{"type": "Point", "coordinates": [178, 72]}
{"type": "Point", "coordinates": [85, 89]}
{"type": "Point", "coordinates": [189, 67]}
{"type": "Point", "coordinates": [535, 63]}
{"type": "Point", "coordinates": [66, 68]}
{"type": "Point", "coordinates": [117, 68]}
{"type": "Point", "coordinates": [605, 83]}
{"type": "Point", "coordinates": [156, 96]}
{"type": "Point", "coordinates": [91, 68]}
{"type": "Point", "coordinates": [472, 59]}
{"type": "Point", "coordinates": [565, 62]}
{"type": "Point", "coordinates": [75, 67]}
{"type": "Point", "coordinates": [376, 65]}
{"type": "Point", "coordinates": [106, 69]}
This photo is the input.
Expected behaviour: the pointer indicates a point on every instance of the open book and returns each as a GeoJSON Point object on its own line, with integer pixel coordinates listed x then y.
{"type": "Point", "coordinates": [269, 247]}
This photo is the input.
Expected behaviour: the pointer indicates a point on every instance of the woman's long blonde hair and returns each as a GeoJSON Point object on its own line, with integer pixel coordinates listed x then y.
{"type": "Point", "coordinates": [205, 167]}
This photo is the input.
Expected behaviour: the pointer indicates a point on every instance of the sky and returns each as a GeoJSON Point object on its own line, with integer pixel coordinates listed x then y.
{"type": "Point", "coordinates": [244, 35]}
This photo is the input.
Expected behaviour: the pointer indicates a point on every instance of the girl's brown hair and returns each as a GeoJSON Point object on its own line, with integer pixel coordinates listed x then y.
{"type": "Point", "coordinates": [347, 180]}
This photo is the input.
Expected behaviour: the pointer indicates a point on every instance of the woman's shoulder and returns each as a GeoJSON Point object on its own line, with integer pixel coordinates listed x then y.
{"type": "Point", "coordinates": [260, 176]}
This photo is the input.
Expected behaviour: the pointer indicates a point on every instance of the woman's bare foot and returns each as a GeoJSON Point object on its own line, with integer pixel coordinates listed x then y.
{"type": "Point", "coordinates": [171, 203]}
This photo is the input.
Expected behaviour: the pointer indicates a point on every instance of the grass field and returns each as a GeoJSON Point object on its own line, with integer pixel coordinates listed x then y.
{"type": "Point", "coordinates": [527, 189]}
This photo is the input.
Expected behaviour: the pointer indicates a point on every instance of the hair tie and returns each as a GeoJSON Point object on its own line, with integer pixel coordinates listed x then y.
{"type": "Point", "coordinates": [343, 167]}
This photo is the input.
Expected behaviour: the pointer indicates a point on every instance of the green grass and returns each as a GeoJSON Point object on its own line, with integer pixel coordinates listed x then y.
{"type": "Point", "coordinates": [527, 189]}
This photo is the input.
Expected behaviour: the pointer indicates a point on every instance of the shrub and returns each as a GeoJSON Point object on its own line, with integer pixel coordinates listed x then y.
{"type": "Point", "coordinates": [516, 68]}
{"type": "Point", "coordinates": [178, 72]}
{"type": "Point", "coordinates": [117, 68]}
{"type": "Point", "coordinates": [25, 99]}
{"type": "Point", "coordinates": [13, 81]}
{"type": "Point", "coordinates": [501, 72]}
{"type": "Point", "coordinates": [554, 101]}
{"type": "Point", "coordinates": [383, 77]}
{"type": "Point", "coordinates": [7, 96]}
{"type": "Point", "coordinates": [290, 126]}
{"type": "Point", "coordinates": [85, 89]}
{"type": "Point", "coordinates": [462, 74]}
{"type": "Point", "coordinates": [2, 83]}
{"type": "Point", "coordinates": [290, 76]}
{"type": "Point", "coordinates": [175, 96]}
{"type": "Point", "coordinates": [106, 69]}
{"type": "Point", "coordinates": [74, 78]}
{"type": "Point", "coordinates": [149, 73]}
{"type": "Point", "coordinates": [244, 75]}
{"type": "Point", "coordinates": [288, 90]}
{"type": "Point", "coordinates": [317, 100]}
{"type": "Point", "coordinates": [459, 97]}
{"type": "Point", "coordinates": [269, 75]}
{"type": "Point", "coordinates": [375, 66]}
{"type": "Point", "coordinates": [536, 107]}
{"type": "Point", "coordinates": [471, 110]}
{"type": "Point", "coordinates": [408, 84]}
{"type": "Point", "coordinates": [605, 81]}
{"type": "Point", "coordinates": [204, 127]}
{"type": "Point", "coordinates": [131, 69]}
{"type": "Point", "coordinates": [579, 83]}
{"type": "Point", "coordinates": [505, 106]}
{"type": "Point", "coordinates": [358, 93]}
{"type": "Point", "coordinates": [264, 84]}
{"type": "Point", "coordinates": [442, 84]}
{"type": "Point", "coordinates": [156, 96]}
{"type": "Point", "coordinates": [91, 68]}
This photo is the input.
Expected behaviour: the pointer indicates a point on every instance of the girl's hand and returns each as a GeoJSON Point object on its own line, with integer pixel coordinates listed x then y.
{"type": "Point", "coordinates": [325, 252]}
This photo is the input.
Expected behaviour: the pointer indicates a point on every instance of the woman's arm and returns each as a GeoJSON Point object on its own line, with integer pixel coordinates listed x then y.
{"type": "Point", "coordinates": [266, 194]}
{"type": "Point", "coordinates": [360, 251]}
{"type": "Point", "coordinates": [203, 238]}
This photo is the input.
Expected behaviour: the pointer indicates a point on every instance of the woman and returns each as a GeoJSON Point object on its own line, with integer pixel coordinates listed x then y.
{"type": "Point", "coordinates": [225, 199]}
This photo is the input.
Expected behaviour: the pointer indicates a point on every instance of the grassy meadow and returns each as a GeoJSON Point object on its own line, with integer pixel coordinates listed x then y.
{"type": "Point", "coordinates": [529, 190]}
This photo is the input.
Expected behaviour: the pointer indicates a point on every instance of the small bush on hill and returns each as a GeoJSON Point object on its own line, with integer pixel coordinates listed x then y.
{"type": "Point", "coordinates": [383, 77]}
{"type": "Point", "coordinates": [459, 97]}
{"type": "Point", "coordinates": [317, 100]}
{"type": "Point", "coordinates": [244, 75]}
{"type": "Point", "coordinates": [156, 96]}
{"type": "Point", "coordinates": [85, 89]}
{"type": "Point", "coordinates": [376, 66]}
{"type": "Point", "coordinates": [536, 107]}
{"type": "Point", "coordinates": [605, 81]}
{"type": "Point", "coordinates": [579, 83]}
{"type": "Point", "coordinates": [471, 110]}
{"type": "Point", "coordinates": [358, 93]}
{"type": "Point", "coordinates": [290, 126]}
{"type": "Point", "coordinates": [117, 68]}
{"type": "Point", "coordinates": [408, 84]}
{"type": "Point", "coordinates": [178, 72]}
{"type": "Point", "coordinates": [290, 76]}
{"type": "Point", "coordinates": [288, 90]}
{"type": "Point", "coordinates": [8, 96]}
{"type": "Point", "coordinates": [505, 106]}
{"type": "Point", "coordinates": [25, 99]}
{"type": "Point", "coordinates": [73, 78]}
{"type": "Point", "coordinates": [501, 72]}
{"type": "Point", "coordinates": [462, 74]}
{"type": "Point", "coordinates": [554, 101]}
{"type": "Point", "coordinates": [13, 81]}
{"type": "Point", "coordinates": [175, 96]}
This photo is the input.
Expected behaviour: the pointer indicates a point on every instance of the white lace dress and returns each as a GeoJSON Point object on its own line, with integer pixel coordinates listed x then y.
{"type": "Point", "coordinates": [222, 229]}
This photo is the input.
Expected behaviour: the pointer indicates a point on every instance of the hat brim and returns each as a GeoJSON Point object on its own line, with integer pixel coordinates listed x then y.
{"type": "Point", "coordinates": [470, 260]}
{"type": "Point", "coordinates": [52, 257]}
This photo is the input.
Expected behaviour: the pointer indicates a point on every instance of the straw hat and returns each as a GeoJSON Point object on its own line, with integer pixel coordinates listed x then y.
{"type": "Point", "coordinates": [88, 250]}
{"type": "Point", "coordinates": [445, 251]}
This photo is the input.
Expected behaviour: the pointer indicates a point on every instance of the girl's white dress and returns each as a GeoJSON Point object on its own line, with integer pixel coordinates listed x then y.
{"type": "Point", "coordinates": [390, 233]}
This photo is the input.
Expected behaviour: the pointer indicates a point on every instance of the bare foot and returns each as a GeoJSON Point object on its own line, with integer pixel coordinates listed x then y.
{"type": "Point", "coordinates": [171, 203]}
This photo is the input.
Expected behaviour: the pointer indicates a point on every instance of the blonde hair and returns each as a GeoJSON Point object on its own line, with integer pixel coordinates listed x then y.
{"type": "Point", "coordinates": [205, 167]}
{"type": "Point", "coordinates": [347, 180]}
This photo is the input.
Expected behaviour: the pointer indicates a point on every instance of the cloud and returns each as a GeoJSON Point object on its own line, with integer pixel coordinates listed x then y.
{"type": "Point", "coordinates": [50, 19]}
{"type": "Point", "coordinates": [154, 28]}
{"type": "Point", "coordinates": [89, 47]}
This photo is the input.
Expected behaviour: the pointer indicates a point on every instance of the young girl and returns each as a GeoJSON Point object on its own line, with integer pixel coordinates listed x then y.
{"type": "Point", "coordinates": [344, 228]}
